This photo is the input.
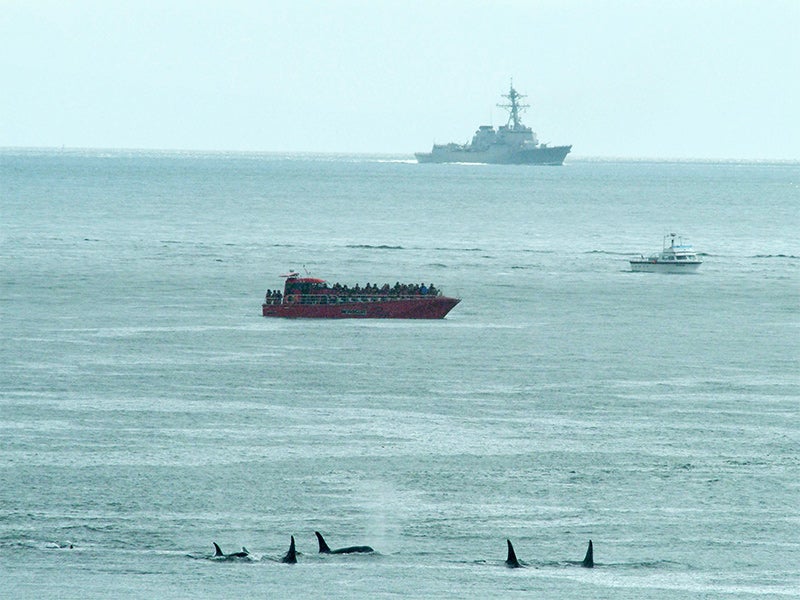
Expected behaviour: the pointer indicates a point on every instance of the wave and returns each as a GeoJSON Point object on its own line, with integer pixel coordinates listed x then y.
{"type": "Point", "coordinates": [459, 249]}
{"type": "Point", "coordinates": [609, 253]}
{"type": "Point", "coordinates": [787, 256]}
{"type": "Point", "coordinates": [371, 247]}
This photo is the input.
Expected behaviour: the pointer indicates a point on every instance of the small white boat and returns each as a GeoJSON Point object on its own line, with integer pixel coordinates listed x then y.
{"type": "Point", "coordinates": [675, 257]}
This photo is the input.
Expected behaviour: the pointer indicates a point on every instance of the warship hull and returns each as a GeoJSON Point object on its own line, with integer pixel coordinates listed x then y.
{"type": "Point", "coordinates": [542, 155]}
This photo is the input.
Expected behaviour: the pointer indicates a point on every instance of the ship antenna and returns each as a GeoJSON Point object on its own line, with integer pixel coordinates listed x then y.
{"type": "Point", "coordinates": [515, 107]}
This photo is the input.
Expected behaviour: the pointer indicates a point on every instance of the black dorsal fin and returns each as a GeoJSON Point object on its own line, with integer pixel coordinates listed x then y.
{"type": "Point", "coordinates": [291, 555]}
{"type": "Point", "coordinates": [323, 547]}
{"type": "Point", "coordinates": [217, 550]}
{"type": "Point", "coordinates": [512, 561]}
{"type": "Point", "coordinates": [245, 550]}
{"type": "Point", "coordinates": [588, 560]}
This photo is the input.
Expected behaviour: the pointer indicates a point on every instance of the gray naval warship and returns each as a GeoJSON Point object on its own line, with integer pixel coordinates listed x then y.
{"type": "Point", "coordinates": [509, 144]}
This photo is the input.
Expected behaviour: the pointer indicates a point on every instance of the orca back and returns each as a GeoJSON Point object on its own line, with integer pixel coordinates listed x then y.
{"type": "Point", "coordinates": [352, 550]}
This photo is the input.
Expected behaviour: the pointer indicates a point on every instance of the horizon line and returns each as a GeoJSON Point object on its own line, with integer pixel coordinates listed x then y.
{"type": "Point", "coordinates": [363, 154]}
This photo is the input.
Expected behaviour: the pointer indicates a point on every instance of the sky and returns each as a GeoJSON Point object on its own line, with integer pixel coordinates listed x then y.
{"type": "Point", "coordinates": [697, 79]}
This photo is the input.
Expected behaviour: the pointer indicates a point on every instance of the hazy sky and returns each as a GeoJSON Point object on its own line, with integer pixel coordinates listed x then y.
{"type": "Point", "coordinates": [658, 79]}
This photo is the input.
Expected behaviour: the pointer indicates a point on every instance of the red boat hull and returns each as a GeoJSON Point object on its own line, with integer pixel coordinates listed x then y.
{"type": "Point", "coordinates": [433, 307]}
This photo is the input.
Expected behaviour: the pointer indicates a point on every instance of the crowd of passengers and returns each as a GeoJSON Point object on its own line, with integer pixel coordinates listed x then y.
{"type": "Point", "coordinates": [273, 297]}
{"type": "Point", "coordinates": [399, 289]}
{"type": "Point", "coordinates": [339, 290]}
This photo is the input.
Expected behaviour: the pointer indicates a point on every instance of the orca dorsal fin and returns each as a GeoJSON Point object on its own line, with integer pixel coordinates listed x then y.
{"type": "Point", "coordinates": [512, 561]}
{"type": "Point", "coordinates": [246, 551]}
{"type": "Point", "coordinates": [588, 560]}
{"type": "Point", "coordinates": [323, 547]}
{"type": "Point", "coordinates": [217, 550]}
{"type": "Point", "coordinates": [291, 555]}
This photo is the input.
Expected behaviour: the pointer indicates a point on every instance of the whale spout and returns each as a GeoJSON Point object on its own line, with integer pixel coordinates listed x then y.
{"type": "Point", "coordinates": [291, 556]}
{"type": "Point", "coordinates": [512, 561]}
{"type": "Point", "coordinates": [588, 560]}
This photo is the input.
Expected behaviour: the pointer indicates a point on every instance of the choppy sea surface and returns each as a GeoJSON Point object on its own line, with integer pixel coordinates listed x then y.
{"type": "Point", "coordinates": [148, 410]}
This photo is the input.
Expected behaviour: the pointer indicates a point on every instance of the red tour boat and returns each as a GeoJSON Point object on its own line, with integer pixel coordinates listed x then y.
{"type": "Point", "coordinates": [310, 297]}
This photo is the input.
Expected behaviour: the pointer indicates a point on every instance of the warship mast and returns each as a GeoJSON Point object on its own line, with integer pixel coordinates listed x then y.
{"type": "Point", "coordinates": [514, 108]}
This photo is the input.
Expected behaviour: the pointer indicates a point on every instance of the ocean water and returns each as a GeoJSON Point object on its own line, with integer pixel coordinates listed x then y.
{"type": "Point", "coordinates": [148, 410]}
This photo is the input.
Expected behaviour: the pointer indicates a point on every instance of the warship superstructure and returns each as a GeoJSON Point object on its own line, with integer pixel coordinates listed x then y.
{"type": "Point", "coordinates": [512, 143]}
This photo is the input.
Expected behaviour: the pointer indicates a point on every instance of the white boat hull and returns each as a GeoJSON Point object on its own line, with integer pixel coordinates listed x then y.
{"type": "Point", "coordinates": [647, 266]}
